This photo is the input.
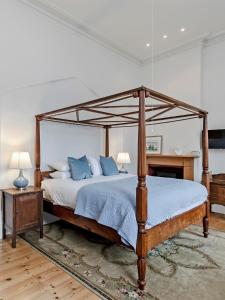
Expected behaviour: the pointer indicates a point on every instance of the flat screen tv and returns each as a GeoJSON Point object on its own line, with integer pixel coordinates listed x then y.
{"type": "Point", "coordinates": [217, 139]}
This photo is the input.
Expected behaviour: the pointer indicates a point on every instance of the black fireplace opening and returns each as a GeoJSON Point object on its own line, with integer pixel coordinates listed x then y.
{"type": "Point", "coordinates": [166, 171]}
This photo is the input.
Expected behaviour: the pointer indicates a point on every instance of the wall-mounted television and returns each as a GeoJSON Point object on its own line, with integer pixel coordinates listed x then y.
{"type": "Point", "coordinates": [217, 139]}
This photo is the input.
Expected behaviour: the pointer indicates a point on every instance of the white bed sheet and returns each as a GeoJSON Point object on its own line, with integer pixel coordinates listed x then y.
{"type": "Point", "coordinates": [64, 191]}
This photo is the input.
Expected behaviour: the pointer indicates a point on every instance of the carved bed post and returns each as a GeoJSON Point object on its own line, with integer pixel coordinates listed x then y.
{"type": "Point", "coordinates": [37, 154]}
{"type": "Point", "coordinates": [205, 172]}
{"type": "Point", "coordinates": [141, 195]}
{"type": "Point", "coordinates": [107, 141]}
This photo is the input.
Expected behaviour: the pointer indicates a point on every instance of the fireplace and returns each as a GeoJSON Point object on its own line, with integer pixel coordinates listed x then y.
{"type": "Point", "coordinates": [168, 165]}
{"type": "Point", "coordinates": [166, 171]}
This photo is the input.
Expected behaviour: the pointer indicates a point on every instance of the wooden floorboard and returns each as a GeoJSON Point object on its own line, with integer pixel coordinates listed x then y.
{"type": "Point", "coordinates": [27, 275]}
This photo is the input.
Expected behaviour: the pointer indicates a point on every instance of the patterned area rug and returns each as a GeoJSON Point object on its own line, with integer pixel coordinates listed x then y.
{"type": "Point", "coordinates": [186, 267]}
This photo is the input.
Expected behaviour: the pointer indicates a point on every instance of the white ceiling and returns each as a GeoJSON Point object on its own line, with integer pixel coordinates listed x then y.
{"type": "Point", "coordinates": [127, 25]}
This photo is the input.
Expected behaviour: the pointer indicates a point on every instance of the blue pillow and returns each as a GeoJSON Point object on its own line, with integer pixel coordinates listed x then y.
{"type": "Point", "coordinates": [109, 166]}
{"type": "Point", "coordinates": [79, 168]}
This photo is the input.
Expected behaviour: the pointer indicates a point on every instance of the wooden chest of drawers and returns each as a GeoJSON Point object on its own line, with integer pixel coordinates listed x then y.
{"type": "Point", "coordinates": [22, 210]}
{"type": "Point", "coordinates": [217, 189]}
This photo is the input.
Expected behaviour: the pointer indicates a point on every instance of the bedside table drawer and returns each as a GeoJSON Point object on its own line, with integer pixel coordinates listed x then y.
{"type": "Point", "coordinates": [27, 211]}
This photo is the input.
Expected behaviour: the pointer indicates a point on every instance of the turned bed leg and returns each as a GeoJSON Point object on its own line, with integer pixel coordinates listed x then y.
{"type": "Point", "coordinates": [141, 264]}
{"type": "Point", "coordinates": [142, 252]}
{"type": "Point", "coordinates": [141, 196]}
{"type": "Point", "coordinates": [206, 226]}
{"type": "Point", "coordinates": [205, 174]}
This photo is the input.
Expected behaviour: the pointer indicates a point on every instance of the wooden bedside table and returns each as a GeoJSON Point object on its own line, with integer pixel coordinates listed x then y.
{"type": "Point", "coordinates": [22, 210]}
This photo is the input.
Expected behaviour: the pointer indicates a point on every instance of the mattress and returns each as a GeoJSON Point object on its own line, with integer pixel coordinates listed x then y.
{"type": "Point", "coordinates": [64, 191]}
{"type": "Point", "coordinates": [111, 200]}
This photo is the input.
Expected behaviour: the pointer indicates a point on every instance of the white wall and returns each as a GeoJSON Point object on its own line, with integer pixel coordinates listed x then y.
{"type": "Point", "coordinates": [44, 66]}
{"type": "Point", "coordinates": [178, 76]}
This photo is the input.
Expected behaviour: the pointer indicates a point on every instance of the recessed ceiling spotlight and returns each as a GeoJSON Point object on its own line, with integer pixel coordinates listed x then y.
{"type": "Point", "coordinates": [147, 45]}
{"type": "Point", "coordinates": [183, 29]}
{"type": "Point", "coordinates": [165, 36]}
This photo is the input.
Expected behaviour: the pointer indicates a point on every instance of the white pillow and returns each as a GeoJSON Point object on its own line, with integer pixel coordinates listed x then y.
{"type": "Point", "coordinates": [60, 165]}
{"type": "Point", "coordinates": [60, 175]}
{"type": "Point", "coordinates": [95, 165]}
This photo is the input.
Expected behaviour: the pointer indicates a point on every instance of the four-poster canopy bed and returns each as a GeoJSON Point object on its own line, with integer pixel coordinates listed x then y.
{"type": "Point", "coordinates": [134, 113]}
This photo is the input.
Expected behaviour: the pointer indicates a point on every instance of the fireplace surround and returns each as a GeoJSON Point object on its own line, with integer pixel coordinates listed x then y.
{"type": "Point", "coordinates": [169, 165]}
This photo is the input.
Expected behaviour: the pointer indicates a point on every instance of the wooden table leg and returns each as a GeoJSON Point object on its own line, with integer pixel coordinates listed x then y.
{"type": "Point", "coordinates": [3, 232]}
{"type": "Point", "coordinates": [14, 239]}
{"type": "Point", "coordinates": [41, 232]}
{"type": "Point", "coordinates": [3, 217]}
{"type": "Point", "coordinates": [41, 215]}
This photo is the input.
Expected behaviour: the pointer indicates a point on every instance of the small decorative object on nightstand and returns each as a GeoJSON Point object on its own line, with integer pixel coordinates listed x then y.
{"type": "Point", "coordinates": [22, 210]}
{"type": "Point", "coordinates": [20, 161]}
{"type": "Point", "coordinates": [123, 158]}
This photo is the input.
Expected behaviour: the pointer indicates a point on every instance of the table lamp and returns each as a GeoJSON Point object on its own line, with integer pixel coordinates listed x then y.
{"type": "Point", "coordinates": [123, 158]}
{"type": "Point", "coordinates": [20, 161]}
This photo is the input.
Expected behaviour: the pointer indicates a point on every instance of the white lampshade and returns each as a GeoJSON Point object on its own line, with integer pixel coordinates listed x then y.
{"type": "Point", "coordinates": [20, 161]}
{"type": "Point", "coordinates": [123, 158]}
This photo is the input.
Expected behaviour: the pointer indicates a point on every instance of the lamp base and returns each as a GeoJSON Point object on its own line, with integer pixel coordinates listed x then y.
{"type": "Point", "coordinates": [22, 189]}
{"type": "Point", "coordinates": [123, 170]}
{"type": "Point", "coordinates": [21, 182]}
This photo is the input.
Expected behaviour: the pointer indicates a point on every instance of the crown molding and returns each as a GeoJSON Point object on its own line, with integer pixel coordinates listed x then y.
{"type": "Point", "coordinates": [199, 42]}
{"type": "Point", "coordinates": [213, 39]}
{"type": "Point", "coordinates": [63, 18]}
{"type": "Point", "coordinates": [204, 41]}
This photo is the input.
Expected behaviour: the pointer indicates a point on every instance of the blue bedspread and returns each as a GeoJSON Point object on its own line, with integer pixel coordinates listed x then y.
{"type": "Point", "coordinates": [113, 203]}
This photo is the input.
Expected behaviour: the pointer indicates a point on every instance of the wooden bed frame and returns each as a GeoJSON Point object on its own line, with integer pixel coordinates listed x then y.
{"type": "Point", "coordinates": [136, 116]}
